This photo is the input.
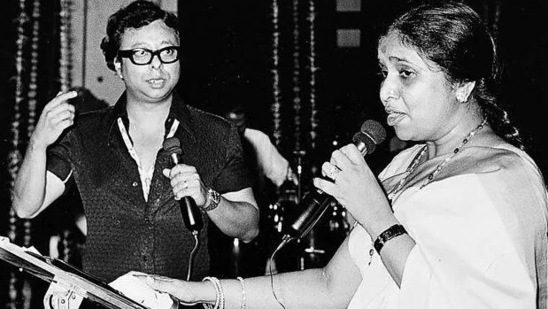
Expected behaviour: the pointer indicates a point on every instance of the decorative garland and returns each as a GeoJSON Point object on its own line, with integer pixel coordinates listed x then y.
{"type": "Point", "coordinates": [65, 80]}
{"type": "Point", "coordinates": [14, 282]}
{"type": "Point", "coordinates": [33, 83]}
{"type": "Point", "coordinates": [20, 290]}
{"type": "Point", "coordinates": [14, 156]}
{"type": "Point", "coordinates": [65, 61]}
{"type": "Point", "coordinates": [496, 20]}
{"type": "Point", "coordinates": [296, 77]}
{"type": "Point", "coordinates": [276, 130]}
{"type": "Point", "coordinates": [26, 289]}
{"type": "Point", "coordinates": [313, 69]}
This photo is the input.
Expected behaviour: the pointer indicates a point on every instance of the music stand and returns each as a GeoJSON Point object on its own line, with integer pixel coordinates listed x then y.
{"type": "Point", "coordinates": [65, 277]}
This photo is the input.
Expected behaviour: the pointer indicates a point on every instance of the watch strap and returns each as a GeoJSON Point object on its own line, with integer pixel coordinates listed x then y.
{"type": "Point", "coordinates": [214, 199]}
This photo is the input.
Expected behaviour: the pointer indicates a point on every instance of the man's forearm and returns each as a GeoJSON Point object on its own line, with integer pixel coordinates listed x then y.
{"type": "Point", "coordinates": [236, 219]}
{"type": "Point", "coordinates": [30, 183]}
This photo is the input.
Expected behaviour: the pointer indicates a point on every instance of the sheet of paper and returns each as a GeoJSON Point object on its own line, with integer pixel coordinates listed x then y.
{"type": "Point", "coordinates": [134, 288]}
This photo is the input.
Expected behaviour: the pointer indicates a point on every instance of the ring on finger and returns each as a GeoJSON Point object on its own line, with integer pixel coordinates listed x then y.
{"type": "Point", "coordinates": [334, 173]}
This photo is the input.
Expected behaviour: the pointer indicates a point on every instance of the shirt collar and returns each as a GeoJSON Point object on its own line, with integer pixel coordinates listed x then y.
{"type": "Point", "coordinates": [177, 111]}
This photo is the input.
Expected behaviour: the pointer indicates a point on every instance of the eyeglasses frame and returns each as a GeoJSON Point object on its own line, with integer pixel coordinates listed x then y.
{"type": "Point", "coordinates": [128, 53]}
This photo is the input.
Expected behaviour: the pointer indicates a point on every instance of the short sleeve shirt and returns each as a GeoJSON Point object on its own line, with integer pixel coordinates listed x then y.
{"type": "Point", "coordinates": [125, 232]}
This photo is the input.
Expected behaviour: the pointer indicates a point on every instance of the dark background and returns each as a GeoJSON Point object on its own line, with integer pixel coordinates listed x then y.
{"type": "Point", "coordinates": [228, 49]}
{"type": "Point", "coordinates": [229, 46]}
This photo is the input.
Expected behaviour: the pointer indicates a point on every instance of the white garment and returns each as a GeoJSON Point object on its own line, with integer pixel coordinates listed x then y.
{"type": "Point", "coordinates": [481, 236]}
{"type": "Point", "coordinates": [272, 163]}
{"type": "Point", "coordinates": [137, 290]}
{"type": "Point", "coordinates": [146, 176]}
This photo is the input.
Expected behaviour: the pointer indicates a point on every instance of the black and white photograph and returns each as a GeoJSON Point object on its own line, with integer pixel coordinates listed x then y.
{"type": "Point", "coordinates": [333, 154]}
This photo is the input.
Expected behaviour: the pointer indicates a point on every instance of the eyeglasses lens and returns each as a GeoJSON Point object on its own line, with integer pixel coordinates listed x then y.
{"type": "Point", "coordinates": [143, 56]}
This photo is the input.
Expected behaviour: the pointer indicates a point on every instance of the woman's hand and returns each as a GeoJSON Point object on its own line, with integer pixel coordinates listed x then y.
{"type": "Point", "coordinates": [356, 188]}
{"type": "Point", "coordinates": [178, 289]}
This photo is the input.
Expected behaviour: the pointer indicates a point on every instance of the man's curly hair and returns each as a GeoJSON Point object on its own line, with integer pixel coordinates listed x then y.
{"type": "Point", "coordinates": [136, 15]}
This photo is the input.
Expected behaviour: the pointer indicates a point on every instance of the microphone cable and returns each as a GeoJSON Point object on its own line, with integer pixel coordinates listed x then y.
{"type": "Point", "coordinates": [285, 240]}
{"type": "Point", "coordinates": [192, 255]}
{"type": "Point", "coordinates": [192, 217]}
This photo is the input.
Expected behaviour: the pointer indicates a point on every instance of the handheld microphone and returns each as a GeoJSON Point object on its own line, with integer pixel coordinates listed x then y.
{"type": "Point", "coordinates": [316, 202]}
{"type": "Point", "coordinates": [191, 214]}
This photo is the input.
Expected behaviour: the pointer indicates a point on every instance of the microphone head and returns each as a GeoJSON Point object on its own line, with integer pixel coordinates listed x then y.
{"type": "Point", "coordinates": [172, 145]}
{"type": "Point", "coordinates": [371, 134]}
{"type": "Point", "coordinates": [374, 130]}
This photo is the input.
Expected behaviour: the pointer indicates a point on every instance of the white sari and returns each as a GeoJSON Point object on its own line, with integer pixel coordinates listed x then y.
{"type": "Point", "coordinates": [481, 235]}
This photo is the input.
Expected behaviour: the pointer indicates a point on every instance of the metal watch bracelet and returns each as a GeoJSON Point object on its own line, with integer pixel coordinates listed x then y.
{"type": "Point", "coordinates": [214, 199]}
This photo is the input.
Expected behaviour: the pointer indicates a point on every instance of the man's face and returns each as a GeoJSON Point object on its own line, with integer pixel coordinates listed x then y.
{"type": "Point", "coordinates": [153, 82]}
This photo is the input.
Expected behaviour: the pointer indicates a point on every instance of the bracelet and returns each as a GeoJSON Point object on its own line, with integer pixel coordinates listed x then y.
{"type": "Point", "coordinates": [219, 294]}
{"type": "Point", "coordinates": [222, 301]}
{"type": "Point", "coordinates": [391, 232]}
{"type": "Point", "coordinates": [243, 292]}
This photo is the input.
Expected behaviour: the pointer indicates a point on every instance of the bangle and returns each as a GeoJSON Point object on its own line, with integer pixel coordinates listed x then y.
{"type": "Point", "coordinates": [219, 294]}
{"type": "Point", "coordinates": [391, 232]}
{"type": "Point", "coordinates": [222, 301]}
{"type": "Point", "coordinates": [243, 292]}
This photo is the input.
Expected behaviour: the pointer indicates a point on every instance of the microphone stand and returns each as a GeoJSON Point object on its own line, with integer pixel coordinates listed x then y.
{"type": "Point", "coordinates": [299, 154]}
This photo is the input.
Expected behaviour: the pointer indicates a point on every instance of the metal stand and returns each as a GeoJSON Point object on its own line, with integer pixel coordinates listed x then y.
{"type": "Point", "coordinates": [60, 297]}
{"type": "Point", "coordinates": [68, 285]}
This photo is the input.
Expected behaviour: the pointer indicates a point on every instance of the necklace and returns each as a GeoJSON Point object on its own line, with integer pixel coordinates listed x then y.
{"type": "Point", "coordinates": [440, 166]}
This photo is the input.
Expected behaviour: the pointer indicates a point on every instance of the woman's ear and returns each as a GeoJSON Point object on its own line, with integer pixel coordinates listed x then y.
{"type": "Point", "coordinates": [464, 90]}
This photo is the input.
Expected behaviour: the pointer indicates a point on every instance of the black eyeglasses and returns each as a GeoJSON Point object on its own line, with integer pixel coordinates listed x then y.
{"type": "Point", "coordinates": [143, 56]}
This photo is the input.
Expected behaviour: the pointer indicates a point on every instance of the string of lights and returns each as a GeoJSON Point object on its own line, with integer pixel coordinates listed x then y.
{"type": "Point", "coordinates": [275, 108]}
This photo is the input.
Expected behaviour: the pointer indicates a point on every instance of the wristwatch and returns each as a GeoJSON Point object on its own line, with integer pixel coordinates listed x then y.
{"type": "Point", "coordinates": [214, 199]}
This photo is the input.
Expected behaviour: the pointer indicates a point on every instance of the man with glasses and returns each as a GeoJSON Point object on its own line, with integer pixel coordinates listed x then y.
{"type": "Point", "coordinates": [130, 186]}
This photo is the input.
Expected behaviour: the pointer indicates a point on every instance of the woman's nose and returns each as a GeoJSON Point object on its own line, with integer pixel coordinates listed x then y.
{"type": "Point", "coordinates": [389, 90]}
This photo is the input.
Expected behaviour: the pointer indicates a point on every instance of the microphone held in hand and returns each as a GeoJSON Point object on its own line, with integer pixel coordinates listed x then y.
{"type": "Point", "coordinates": [191, 214]}
{"type": "Point", "coordinates": [316, 202]}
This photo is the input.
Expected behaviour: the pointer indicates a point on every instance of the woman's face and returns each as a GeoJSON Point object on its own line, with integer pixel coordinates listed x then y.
{"type": "Point", "coordinates": [152, 82]}
{"type": "Point", "coordinates": [421, 105]}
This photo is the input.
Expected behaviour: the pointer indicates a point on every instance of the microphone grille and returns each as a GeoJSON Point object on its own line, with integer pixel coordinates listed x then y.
{"type": "Point", "coordinates": [172, 145]}
{"type": "Point", "coordinates": [361, 138]}
{"type": "Point", "coordinates": [374, 130]}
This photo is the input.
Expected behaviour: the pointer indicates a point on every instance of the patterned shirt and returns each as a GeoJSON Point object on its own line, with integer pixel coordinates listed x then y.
{"type": "Point", "coordinates": [125, 231]}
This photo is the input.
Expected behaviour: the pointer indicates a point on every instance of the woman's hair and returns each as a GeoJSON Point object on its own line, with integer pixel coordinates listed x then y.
{"type": "Point", "coordinates": [136, 15]}
{"type": "Point", "coordinates": [454, 37]}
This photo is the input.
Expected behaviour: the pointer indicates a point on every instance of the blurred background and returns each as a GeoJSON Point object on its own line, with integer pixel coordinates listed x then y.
{"type": "Point", "coordinates": [304, 72]}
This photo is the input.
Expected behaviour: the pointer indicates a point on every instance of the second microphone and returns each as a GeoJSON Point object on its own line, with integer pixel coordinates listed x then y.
{"type": "Point", "coordinates": [316, 202]}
